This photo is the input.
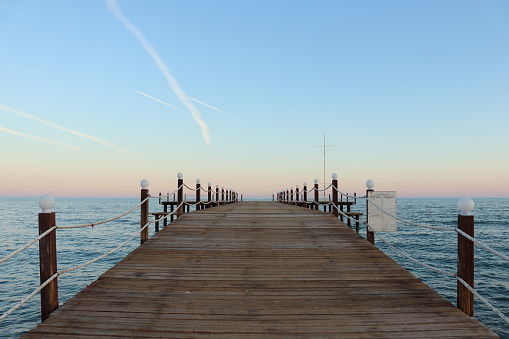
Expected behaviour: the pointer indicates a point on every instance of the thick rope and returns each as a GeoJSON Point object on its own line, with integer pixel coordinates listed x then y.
{"type": "Point", "coordinates": [486, 247]}
{"type": "Point", "coordinates": [484, 300]}
{"type": "Point", "coordinates": [27, 245]}
{"type": "Point", "coordinates": [27, 298]}
{"type": "Point", "coordinates": [409, 257]}
{"type": "Point", "coordinates": [411, 222]}
{"type": "Point", "coordinates": [106, 221]}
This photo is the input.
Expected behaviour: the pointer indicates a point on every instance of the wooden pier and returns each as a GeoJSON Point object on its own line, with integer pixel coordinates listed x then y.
{"type": "Point", "coordinates": [258, 269]}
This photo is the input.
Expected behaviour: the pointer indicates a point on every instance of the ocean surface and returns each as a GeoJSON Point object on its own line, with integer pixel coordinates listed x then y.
{"type": "Point", "coordinates": [20, 275]}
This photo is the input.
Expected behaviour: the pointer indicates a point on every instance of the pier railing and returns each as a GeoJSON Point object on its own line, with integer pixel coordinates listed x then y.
{"type": "Point", "coordinates": [465, 234]}
{"type": "Point", "coordinates": [49, 272]}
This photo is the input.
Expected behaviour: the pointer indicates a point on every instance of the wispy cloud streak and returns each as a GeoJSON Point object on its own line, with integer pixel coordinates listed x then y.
{"type": "Point", "coordinates": [31, 117]}
{"type": "Point", "coordinates": [217, 109]}
{"type": "Point", "coordinates": [114, 8]}
{"type": "Point", "coordinates": [162, 102]}
{"type": "Point", "coordinates": [36, 138]}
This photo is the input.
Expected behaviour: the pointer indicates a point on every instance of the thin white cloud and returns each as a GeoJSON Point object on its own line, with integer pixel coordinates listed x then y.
{"type": "Point", "coordinates": [31, 117]}
{"type": "Point", "coordinates": [36, 138]}
{"type": "Point", "coordinates": [217, 109]}
{"type": "Point", "coordinates": [114, 8]}
{"type": "Point", "coordinates": [162, 102]}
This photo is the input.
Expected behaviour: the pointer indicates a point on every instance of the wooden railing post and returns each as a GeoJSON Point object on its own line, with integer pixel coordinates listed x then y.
{"type": "Point", "coordinates": [217, 195]}
{"type": "Point", "coordinates": [291, 195]}
{"type": "Point", "coordinates": [222, 194]}
{"type": "Point", "coordinates": [209, 195]}
{"type": "Point", "coordinates": [335, 207]}
{"type": "Point", "coordinates": [297, 195]}
{"type": "Point", "coordinates": [305, 195]}
{"type": "Point", "coordinates": [465, 298]}
{"type": "Point", "coordinates": [144, 210]}
{"type": "Point", "coordinates": [48, 256]}
{"type": "Point", "coordinates": [316, 194]}
{"type": "Point", "coordinates": [198, 198]}
{"type": "Point", "coordinates": [370, 236]}
{"type": "Point", "coordinates": [180, 194]}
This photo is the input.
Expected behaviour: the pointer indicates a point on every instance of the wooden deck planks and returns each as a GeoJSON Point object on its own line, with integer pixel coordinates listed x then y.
{"type": "Point", "coordinates": [258, 269]}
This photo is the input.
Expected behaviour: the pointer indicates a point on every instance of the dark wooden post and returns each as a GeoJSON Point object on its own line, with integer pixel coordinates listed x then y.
{"type": "Point", "coordinates": [305, 197]}
{"type": "Point", "coordinates": [48, 256]}
{"type": "Point", "coordinates": [291, 195]}
{"type": "Point", "coordinates": [144, 211]}
{"type": "Point", "coordinates": [222, 193]}
{"type": "Point", "coordinates": [335, 206]}
{"type": "Point", "coordinates": [370, 236]}
{"type": "Point", "coordinates": [297, 195]}
{"type": "Point", "coordinates": [180, 194]}
{"type": "Point", "coordinates": [209, 196]}
{"type": "Point", "coordinates": [198, 198]}
{"type": "Point", "coordinates": [465, 298]}
{"type": "Point", "coordinates": [217, 195]}
{"type": "Point", "coordinates": [316, 194]}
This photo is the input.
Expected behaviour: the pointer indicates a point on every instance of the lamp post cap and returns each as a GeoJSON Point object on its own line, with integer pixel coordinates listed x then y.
{"type": "Point", "coordinates": [296, 186]}
{"type": "Point", "coordinates": [46, 203]}
{"type": "Point", "coordinates": [210, 184]}
{"type": "Point", "coordinates": [180, 175]}
{"type": "Point", "coordinates": [334, 176]}
{"type": "Point", "coordinates": [198, 181]}
{"type": "Point", "coordinates": [144, 184]}
{"type": "Point", "coordinates": [316, 181]}
{"type": "Point", "coordinates": [466, 205]}
{"type": "Point", "coordinates": [370, 184]}
{"type": "Point", "coordinates": [305, 183]}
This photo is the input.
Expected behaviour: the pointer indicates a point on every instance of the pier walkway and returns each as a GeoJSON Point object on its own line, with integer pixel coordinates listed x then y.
{"type": "Point", "coordinates": [258, 269]}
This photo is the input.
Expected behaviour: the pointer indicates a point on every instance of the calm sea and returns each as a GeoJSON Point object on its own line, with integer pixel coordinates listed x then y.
{"type": "Point", "coordinates": [20, 275]}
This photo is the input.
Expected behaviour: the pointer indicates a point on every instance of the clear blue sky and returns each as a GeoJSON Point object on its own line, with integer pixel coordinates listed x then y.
{"type": "Point", "coordinates": [414, 94]}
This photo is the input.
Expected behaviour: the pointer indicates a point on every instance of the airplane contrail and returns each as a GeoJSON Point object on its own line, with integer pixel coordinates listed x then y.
{"type": "Point", "coordinates": [217, 109]}
{"type": "Point", "coordinates": [31, 117]}
{"type": "Point", "coordinates": [162, 102]}
{"type": "Point", "coordinates": [114, 8]}
{"type": "Point", "coordinates": [36, 138]}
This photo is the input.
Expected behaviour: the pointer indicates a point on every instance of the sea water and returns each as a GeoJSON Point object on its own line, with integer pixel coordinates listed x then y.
{"type": "Point", "coordinates": [20, 275]}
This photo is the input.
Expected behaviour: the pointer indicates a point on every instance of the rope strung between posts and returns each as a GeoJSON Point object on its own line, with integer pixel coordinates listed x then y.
{"type": "Point", "coordinates": [38, 289]}
{"type": "Point", "coordinates": [325, 189]}
{"type": "Point", "coordinates": [486, 247]}
{"type": "Point", "coordinates": [27, 245]}
{"type": "Point", "coordinates": [409, 257]}
{"type": "Point", "coordinates": [27, 298]}
{"type": "Point", "coordinates": [167, 195]}
{"type": "Point", "coordinates": [410, 222]}
{"type": "Point", "coordinates": [484, 300]}
{"type": "Point", "coordinates": [189, 188]}
{"type": "Point", "coordinates": [106, 221]}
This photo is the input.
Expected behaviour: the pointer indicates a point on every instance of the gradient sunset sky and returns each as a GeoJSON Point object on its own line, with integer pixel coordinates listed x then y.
{"type": "Point", "coordinates": [97, 95]}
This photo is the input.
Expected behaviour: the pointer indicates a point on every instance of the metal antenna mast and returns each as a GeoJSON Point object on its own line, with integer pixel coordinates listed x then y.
{"type": "Point", "coordinates": [325, 146]}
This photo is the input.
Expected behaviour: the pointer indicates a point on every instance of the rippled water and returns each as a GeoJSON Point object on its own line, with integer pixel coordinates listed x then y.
{"type": "Point", "coordinates": [20, 275]}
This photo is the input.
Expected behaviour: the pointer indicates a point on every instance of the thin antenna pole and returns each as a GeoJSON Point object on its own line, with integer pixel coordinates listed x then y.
{"type": "Point", "coordinates": [324, 165]}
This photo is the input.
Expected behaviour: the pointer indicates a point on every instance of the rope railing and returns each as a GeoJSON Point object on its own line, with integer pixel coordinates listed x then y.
{"type": "Point", "coordinates": [61, 272]}
{"type": "Point", "coordinates": [484, 300]}
{"type": "Point", "coordinates": [463, 230]}
{"type": "Point", "coordinates": [167, 195]}
{"type": "Point", "coordinates": [47, 227]}
{"type": "Point", "coordinates": [486, 247]}
{"type": "Point", "coordinates": [27, 245]}
{"type": "Point", "coordinates": [445, 273]}
{"type": "Point", "coordinates": [408, 221]}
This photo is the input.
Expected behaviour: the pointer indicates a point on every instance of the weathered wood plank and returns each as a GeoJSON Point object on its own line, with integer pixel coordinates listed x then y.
{"type": "Point", "coordinates": [258, 269]}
